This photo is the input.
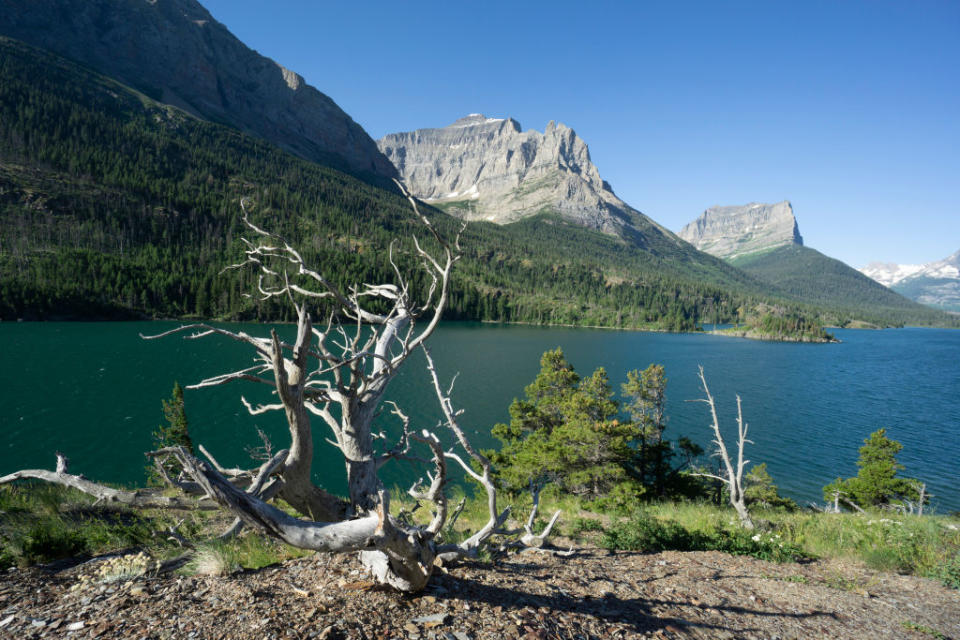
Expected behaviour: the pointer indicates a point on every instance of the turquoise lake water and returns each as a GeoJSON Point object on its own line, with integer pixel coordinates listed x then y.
{"type": "Point", "coordinates": [93, 391]}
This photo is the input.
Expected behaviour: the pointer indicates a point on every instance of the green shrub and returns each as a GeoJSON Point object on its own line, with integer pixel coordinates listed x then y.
{"type": "Point", "coordinates": [42, 523]}
{"type": "Point", "coordinates": [949, 572]}
{"type": "Point", "coordinates": [46, 541]}
{"type": "Point", "coordinates": [643, 532]}
{"type": "Point", "coordinates": [581, 525]}
{"type": "Point", "coordinates": [763, 545]}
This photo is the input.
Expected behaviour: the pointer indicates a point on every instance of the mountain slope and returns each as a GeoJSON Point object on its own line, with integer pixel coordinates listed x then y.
{"type": "Point", "coordinates": [935, 284]}
{"type": "Point", "coordinates": [481, 168]}
{"type": "Point", "coordinates": [112, 204]}
{"type": "Point", "coordinates": [175, 52]}
{"type": "Point", "coordinates": [729, 232]}
{"type": "Point", "coordinates": [813, 277]}
{"type": "Point", "coordinates": [764, 241]}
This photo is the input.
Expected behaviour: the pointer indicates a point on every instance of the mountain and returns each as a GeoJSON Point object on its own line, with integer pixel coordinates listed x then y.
{"type": "Point", "coordinates": [176, 53]}
{"type": "Point", "coordinates": [115, 205]}
{"type": "Point", "coordinates": [764, 241]}
{"type": "Point", "coordinates": [936, 284]}
{"type": "Point", "coordinates": [808, 275]}
{"type": "Point", "coordinates": [481, 168]}
{"type": "Point", "coordinates": [729, 232]}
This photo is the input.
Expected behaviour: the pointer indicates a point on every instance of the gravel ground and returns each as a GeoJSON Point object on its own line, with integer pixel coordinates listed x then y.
{"type": "Point", "coordinates": [592, 594]}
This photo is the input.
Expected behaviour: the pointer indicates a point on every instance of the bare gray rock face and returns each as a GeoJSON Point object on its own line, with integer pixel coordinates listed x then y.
{"type": "Point", "coordinates": [481, 168]}
{"type": "Point", "coordinates": [175, 52]}
{"type": "Point", "coordinates": [728, 232]}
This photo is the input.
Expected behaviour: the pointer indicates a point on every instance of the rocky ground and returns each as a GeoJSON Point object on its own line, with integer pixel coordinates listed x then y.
{"type": "Point", "coordinates": [592, 594]}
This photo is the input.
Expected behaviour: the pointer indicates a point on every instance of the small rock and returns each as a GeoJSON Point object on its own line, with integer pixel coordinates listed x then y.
{"type": "Point", "coordinates": [429, 599]}
{"type": "Point", "coordinates": [75, 626]}
{"type": "Point", "coordinates": [6, 621]}
{"type": "Point", "coordinates": [412, 628]}
{"type": "Point", "coordinates": [435, 620]}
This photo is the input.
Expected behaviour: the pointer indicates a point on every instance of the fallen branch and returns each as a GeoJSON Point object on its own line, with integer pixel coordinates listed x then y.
{"type": "Point", "coordinates": [144, 499]}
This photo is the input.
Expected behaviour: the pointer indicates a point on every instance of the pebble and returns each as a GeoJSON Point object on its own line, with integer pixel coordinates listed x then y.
{"type": "Point", "coordinates": [434, 620]}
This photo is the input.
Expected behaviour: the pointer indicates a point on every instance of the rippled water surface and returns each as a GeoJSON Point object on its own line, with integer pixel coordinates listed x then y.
{"type": "Point", "coordinates": [93, 391]}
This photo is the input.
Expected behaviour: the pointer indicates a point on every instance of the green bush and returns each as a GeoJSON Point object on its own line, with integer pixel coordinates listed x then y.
{"type": "Point", "coordinates": [643, 532]}
{"type": "Point", "coordinates": [949, 572]}
{"type": "Point", "coordinates": [581, 525]}
{"type": "Point", "coordinates": [42, 523]}
{"type": "Point", "coordinates": [47, 541]}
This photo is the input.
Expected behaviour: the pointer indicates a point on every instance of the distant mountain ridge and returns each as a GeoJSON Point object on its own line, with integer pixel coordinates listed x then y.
{"type": "Point", "coordinates": [481, 168]}
{"type": "Point", "coordinates": [175, 52]}
{"type": "Point", "coordinates": [733, 231]}
{"type": "Point", "coordinates": [115, 205]}
{"type": "Point", "coordinates": [936, 284]}
{"type": "Point", "coordinates": [764, 241]}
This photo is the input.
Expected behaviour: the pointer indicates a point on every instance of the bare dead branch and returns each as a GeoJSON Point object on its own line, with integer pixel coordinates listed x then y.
{"type": "Point", "coordinates": [139, 498]}
{"type": "Point", "coordinates": [734, 478]}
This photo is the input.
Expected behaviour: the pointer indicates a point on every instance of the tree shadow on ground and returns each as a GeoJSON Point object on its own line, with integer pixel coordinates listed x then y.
{"type": "Point", "coordinates": [638, 614]}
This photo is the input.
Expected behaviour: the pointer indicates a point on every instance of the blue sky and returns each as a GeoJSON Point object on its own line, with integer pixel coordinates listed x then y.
{"type": "Point", "coordinates": [850, 110]}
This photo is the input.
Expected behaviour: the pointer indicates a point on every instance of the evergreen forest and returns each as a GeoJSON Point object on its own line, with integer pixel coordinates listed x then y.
{"type": "Point", "coordinates": [115, 206]}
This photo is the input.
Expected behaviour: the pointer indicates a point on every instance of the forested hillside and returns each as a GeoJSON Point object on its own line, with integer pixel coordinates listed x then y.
{"type": "Point", "coordinates": [113, 205]}
{"type": "Point", "coordinates": [843, 292]}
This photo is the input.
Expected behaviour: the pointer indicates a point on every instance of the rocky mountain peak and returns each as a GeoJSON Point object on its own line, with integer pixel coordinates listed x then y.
{"type": "Point", "coordinates": [483, 168]}
{"type": "Point", "coordinates": [936, 284]}
{"type": "Point", "coordinates": [731, 231]}
{"type": "Point", "coordinates": [175, 52]}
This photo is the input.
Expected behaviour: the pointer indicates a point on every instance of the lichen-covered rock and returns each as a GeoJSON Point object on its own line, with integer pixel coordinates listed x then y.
{"type": "Point", "coordinates": [175, 52]}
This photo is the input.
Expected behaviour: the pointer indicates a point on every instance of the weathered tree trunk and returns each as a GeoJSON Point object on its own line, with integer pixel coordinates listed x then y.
{"type": "Point", "coordinates": [357, 447]}
{"type": "Point", "coordinates": [734, 477]}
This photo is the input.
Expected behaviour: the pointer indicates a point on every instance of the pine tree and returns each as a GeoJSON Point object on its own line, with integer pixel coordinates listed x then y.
{"type": "Point", "coordinates": [876, 483]}
{"type": "Point", "coordinates": [174, 434]}
{"type": "Point", "coordinates": [647, 395]}
{"type": "Point", "coordinates": [566, 432]}
{"type": "Point", "coordinates": [760, 490]}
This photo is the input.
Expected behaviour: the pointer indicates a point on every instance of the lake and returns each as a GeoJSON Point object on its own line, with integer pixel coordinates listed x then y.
{"type": "Point", "coordinates": [93, 391]}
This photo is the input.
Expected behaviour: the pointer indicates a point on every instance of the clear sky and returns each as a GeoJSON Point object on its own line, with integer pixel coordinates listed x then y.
{"type": "Point", "coordinates": [850, 110]}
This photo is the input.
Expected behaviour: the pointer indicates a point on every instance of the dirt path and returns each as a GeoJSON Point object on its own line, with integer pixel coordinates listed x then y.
{"type": "Point", "coordinates": [594, 594]}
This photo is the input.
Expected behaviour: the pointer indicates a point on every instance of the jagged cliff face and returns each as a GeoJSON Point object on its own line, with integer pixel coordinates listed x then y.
{"type": "Point", "coordinates": [175, 52]}
{"type": "Point", "coordinates": [936, 284]}
{"type": "Point", "coordinates": [483, 168]}
{"type": "Point", "coordinates": [729, 232]}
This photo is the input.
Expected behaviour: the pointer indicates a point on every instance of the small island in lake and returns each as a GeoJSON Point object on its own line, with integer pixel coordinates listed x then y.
{"type": "Point", "coordinates": [772, 323]}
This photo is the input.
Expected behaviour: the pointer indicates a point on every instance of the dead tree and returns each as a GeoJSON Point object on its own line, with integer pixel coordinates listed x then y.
{"type": "Point", "coordinates": [339, 373]}
{"type": "Point", "coordinates": [398, 554]}
{"type": "Point", "coordinates": [734, 476]}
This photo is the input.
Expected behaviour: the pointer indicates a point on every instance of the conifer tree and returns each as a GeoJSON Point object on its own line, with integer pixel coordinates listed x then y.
{"type": "Point", "coordinates": [174, 434]}
{"type": "Point", "coordinates": [876, 483]}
